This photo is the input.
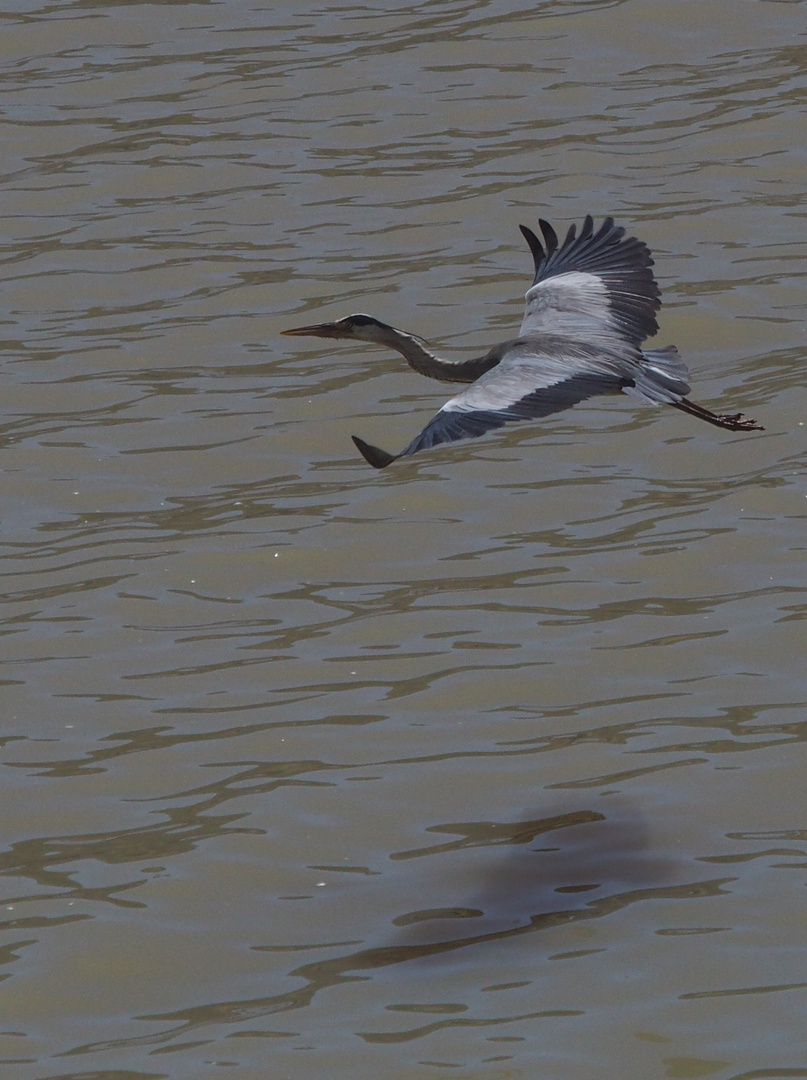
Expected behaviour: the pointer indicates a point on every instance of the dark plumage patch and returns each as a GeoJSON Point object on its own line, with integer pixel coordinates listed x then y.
{"type": "Point", "coordinates": [374, 455]}
{"type": "Point", "coordinates": [361, 320]}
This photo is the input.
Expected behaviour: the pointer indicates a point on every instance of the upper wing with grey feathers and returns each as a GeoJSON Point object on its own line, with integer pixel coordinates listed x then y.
{"type": "Point", "coordinates": [596, 287]}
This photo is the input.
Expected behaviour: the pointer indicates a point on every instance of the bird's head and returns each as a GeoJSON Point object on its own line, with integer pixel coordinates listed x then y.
{"type": "Point", "coordinates": [356, 327]}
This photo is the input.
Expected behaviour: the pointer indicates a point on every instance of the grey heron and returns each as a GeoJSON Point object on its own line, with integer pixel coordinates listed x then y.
{"type": "Point", "coordinates": [592, 304]}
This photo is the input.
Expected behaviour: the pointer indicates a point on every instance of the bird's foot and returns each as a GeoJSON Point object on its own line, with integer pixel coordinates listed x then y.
{"type": "Point", "coordinates": [736, 422]}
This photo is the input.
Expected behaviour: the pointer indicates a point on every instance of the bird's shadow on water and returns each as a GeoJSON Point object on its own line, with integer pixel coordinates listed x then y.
{"type": "Point", "coordinates": [556, 867]}
{"type": "Point", "coordinates": [559, 869]}
{"type": "Point", "coordinates": [580, 864]}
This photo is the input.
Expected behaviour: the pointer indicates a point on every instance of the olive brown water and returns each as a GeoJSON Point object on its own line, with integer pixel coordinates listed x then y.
{"type": "Point", "coordinates": [490, 765]}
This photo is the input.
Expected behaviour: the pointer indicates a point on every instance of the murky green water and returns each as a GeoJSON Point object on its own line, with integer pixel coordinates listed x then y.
{"type": "Point", "coordinates": [493, 762]}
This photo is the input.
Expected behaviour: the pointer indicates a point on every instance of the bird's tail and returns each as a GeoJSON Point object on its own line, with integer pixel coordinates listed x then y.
{"type": "Point", "coordinates": [661, 377]}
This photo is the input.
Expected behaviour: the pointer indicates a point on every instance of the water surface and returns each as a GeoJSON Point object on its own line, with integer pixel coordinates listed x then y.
{"type": "Point", "coordinates": [492, 762]}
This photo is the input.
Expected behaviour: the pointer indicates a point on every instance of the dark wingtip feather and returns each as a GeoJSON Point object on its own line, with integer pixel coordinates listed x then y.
{"type": "Point", "coordinates": [376, 457]}
{"type": "Point", "coordinates": [550, 236]}
{"type": "Point", "coordinates": [536, 247]}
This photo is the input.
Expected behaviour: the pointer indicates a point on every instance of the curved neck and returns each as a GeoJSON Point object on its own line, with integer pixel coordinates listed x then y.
{"type": "Point", "coordinates": [421, 359]}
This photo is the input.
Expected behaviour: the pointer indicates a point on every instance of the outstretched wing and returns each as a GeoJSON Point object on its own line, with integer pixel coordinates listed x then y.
{"type": "Point", "coordinates": [523, 386]}
{"type": "Point", "coordinates": [595, 287]}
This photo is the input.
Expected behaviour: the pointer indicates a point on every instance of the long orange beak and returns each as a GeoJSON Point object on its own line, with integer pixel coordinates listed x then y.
{"type": "Point", "coordinates": [324, 329]}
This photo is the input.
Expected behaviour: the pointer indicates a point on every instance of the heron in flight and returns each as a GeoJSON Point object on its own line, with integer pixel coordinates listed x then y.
{"type": "Point", "coordinates": [591, 305]}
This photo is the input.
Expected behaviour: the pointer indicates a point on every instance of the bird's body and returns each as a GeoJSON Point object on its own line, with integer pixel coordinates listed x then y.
{"type": "Point", "coordinates": [592, 304]}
